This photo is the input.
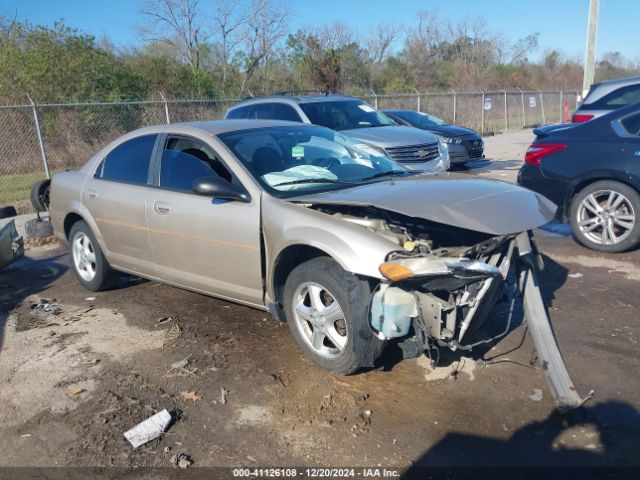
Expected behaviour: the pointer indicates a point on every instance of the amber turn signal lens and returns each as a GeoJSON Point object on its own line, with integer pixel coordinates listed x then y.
{"type": "Point", "coordinates": [394, 272]}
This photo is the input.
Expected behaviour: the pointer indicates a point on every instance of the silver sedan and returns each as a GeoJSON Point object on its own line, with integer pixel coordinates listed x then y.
{"type": "Point", "coordinates": [351, 249]}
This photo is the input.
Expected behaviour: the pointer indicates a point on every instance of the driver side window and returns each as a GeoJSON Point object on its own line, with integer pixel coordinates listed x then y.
{"type": "Point", "coordinates": [184, 160]}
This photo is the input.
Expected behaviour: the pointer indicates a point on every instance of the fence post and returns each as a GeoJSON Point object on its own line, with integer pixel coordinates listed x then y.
{"type": "Point", "coordinates": [40, 141]}
{"type": "Point", "coordinates": [455, 101]}
{"type": "Point", "coordinates": [506, 112]}
{"type": "Point", "coordinates": [375, 98]}
{"type": "Point", "coordinates": [482, 118]}
{"type": "Point", "coordinates": [561, 107]}
{"type": "Point", "coordinates": [166, 108]}
{"type": "Point", "coordinates": [542, 108]}
{"type": "Point", "coordinates": [524, 115]}
{"type": "Point", "coordinates": [418, 100]}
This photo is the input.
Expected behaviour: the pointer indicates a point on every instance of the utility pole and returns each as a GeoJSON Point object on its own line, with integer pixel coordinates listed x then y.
{"type": "Point", "coordinates": [590, 51]}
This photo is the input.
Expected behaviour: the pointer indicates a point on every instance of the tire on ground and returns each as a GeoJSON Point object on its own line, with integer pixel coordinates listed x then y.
{"type": "Point", "coordinates": [352, 294]}
{"type": "Point", "coordinates": [632, 240]}
{"type": "Point", "coordinates": [8, 211]}
{"type": "Point", "coordinates": [36, 228]}
{"type": "Point", "coordinates": [40, 195]}
{"type": "Point", "coordinates": [105, 277]}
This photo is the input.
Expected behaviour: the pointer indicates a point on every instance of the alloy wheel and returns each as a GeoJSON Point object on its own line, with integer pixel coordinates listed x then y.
{"type": "Point", "coordinates": [320, 319]}
{"type": "Point", "coordinates": [84, 256]}
{"type": "Point", "coordinates": [606, 217]}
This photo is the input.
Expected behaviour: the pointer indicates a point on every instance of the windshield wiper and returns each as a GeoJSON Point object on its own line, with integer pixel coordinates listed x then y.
{"type": "Point", "coordinates": [388, 173]}
{"type": "Point", "coordinates": [312, 180]}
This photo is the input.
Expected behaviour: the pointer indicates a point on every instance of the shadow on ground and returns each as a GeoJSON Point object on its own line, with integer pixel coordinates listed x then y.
{"type": "Point", "coordinates": [537, 444]}
{"type": "Point", "coordinates": [26, 277]}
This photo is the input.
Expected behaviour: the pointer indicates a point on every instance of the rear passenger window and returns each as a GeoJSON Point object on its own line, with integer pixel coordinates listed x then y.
{"type": "Point", "coordinates": [632, 124]}
{"type": "Point", "coordinates": [619, 98]}
{"type": "Point", "coordinates": [129, 162]}
{"type": "Point", "coordinates": [240, 112]}
{"type": "Point", "coordinates": [266, 111]}
{"type": "Point", "coordinates": [280, 111]}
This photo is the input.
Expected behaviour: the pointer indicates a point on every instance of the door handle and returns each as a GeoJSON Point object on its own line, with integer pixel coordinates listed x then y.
{"type": "Point", "coordinates": [92, 193]}
{"type": "Point", "coordinates": [162, 208]}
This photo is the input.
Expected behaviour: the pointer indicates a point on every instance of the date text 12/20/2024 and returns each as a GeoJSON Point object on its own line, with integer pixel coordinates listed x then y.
{"type": "Point", "coordinates": [315, 472]}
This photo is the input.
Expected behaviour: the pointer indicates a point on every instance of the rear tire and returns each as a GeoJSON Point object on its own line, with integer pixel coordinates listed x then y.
{"type": "Point", "coordinates": [605, 216]}
{"type": "Point", "coordinates": [87, 260]}
{"type": "Point", "coordinates": [327, 312]}
{"type": "Point", "coordinates": [40, 195]}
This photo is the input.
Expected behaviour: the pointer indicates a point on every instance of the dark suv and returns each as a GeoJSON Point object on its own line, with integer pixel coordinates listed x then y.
{"type": "Point", "coordinates": [414, 148]}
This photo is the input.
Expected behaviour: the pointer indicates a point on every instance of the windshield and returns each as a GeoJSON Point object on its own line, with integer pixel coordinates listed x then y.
{"type": "Point", "coordinates": [345, 115]}
{"type": "Point", "coordinates": [294, 159]}
{"type": "Point", "coordinates": [420, 119]}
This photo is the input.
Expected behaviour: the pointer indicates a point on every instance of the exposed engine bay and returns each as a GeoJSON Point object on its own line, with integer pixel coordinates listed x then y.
{"type": "Point", "coordinates": [443, 282]}
{"type": "Point", "coordinates": [440, 279]}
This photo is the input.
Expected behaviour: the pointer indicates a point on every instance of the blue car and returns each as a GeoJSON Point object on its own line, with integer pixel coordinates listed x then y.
{"type": "Point", "coordinates": [591, 171]}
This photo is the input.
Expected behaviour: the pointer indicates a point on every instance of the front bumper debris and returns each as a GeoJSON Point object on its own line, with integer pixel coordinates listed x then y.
{"type": "Point", "coordinates": [445, 298]}
{"type": "Point", "coordinates": [11, 244]}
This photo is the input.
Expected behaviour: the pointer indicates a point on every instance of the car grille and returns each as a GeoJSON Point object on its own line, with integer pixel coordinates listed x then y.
{"type": "Point", "coordinates": [414, 153]}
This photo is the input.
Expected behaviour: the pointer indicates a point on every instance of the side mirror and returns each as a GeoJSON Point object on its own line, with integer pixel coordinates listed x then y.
{"type": "Point", "coordinates": [217, 187]}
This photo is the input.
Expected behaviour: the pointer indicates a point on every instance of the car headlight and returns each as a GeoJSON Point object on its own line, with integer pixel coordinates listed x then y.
{"type": "Point", "coordinates": [377, 149]}
{"type": "Point", "coordinates": [450, 140]}
{"type": "Point", "coordinates": [399, 270]}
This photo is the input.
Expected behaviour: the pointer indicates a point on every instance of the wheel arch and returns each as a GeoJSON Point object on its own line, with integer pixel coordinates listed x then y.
{"type": "Point", "coordinates": [69, 220]}
{"type": "Point", "coordinates": [289, 258]}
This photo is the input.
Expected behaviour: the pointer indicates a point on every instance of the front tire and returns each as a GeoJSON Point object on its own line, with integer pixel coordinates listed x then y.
{"type": "Point", "coordinates": [327, 312]}
{"type": "Point", "coordinates": [87, 260]}
{"type": "Point", "coordinates": [604, 216]}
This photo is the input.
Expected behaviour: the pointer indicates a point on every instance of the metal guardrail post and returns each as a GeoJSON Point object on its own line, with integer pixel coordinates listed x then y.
{"type": "Point", "coordinates": [482, 118]}
{"type": "Point", "coordinates": [524, 115]}
{"type": "Point", "coordinates": [455, 101]}
{"type": "Point", "coordinates": [542, 107]}
{"type": "Point", "coordinates": [375, 98]}
{"type": "Point", "coordinates": [506, 112]}
{"type": "Point", "coordinates": [40, 141]}
{"type": "Point", "coordinates": [166, 108]}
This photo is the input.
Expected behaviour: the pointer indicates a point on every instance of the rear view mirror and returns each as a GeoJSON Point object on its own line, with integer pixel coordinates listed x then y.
{"type": "Point", "coordinates": [217, 187]}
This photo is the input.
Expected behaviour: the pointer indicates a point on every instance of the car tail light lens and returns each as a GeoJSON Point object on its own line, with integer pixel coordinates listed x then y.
{"type": "Point", "coordinates": [538, 151]}
{"type": "Point", "coordinates": [579, 118]}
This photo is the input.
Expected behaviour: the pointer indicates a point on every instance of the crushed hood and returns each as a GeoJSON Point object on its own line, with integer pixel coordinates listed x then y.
{"type": "Point", "coordinates": [459, 200]}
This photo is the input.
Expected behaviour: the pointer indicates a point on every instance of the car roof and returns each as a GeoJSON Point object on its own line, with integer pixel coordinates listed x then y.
{"type": "Point", "coordinates": [599, 90]}
{"type": "Point", "coordinates": [284, 98]}
{"type": "Point", "coordinates": [215, 127]}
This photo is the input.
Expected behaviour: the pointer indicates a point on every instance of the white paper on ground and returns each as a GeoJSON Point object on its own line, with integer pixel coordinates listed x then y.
{"type": "Point", "coordinates": [151, 428]}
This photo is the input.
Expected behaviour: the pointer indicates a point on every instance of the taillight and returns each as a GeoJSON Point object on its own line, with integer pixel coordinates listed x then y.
{"type": "Point", "coordinates": [537, 151]}
{"type": "Point", "coordinates": [579, 118]}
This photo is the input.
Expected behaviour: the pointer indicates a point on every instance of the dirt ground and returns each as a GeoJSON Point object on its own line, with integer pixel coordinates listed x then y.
{"type": "Point", "coordinates": [78, 369]}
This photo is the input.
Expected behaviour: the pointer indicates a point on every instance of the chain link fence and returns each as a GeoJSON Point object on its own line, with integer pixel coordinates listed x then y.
{"type": "Point", "coordinates": [39, 140]}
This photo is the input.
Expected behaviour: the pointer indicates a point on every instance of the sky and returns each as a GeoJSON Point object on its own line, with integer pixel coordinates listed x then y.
{"type": "Point", "coordinates": [561, 24]}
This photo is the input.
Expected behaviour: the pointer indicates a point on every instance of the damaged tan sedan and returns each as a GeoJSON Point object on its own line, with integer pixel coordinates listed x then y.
{"type": "Point", "coordinates": [352, 250]}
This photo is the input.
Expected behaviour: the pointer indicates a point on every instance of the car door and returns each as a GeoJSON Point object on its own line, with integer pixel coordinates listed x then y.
{"type": "Point", "coordinates": [206, 244]}
{"type": "Point", "coordinates": [115, 197]}
{"type": "Point", "coordinates": [629, 128]}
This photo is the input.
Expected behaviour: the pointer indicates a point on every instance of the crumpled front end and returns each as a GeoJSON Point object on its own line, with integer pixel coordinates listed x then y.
{"type": "Point", "coordinates": [433, 300]}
